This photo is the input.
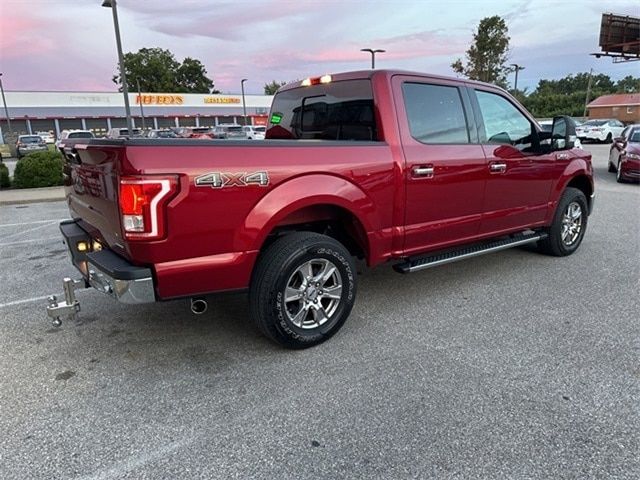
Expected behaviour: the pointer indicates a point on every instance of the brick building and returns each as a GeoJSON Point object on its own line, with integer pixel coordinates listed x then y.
{"type": "Point", "coordinates": [621, 106]}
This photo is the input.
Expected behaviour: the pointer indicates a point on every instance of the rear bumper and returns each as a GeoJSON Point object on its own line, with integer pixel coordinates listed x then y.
{"type": "Point", "coordinates": [106, 271]}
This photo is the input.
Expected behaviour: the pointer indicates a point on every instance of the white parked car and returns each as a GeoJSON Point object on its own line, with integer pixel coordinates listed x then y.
{"type": "Point", "coordinates": [255, 132]}
{"type": "Point", "coordinates": [603, 130]}
{"type": "Point", "coordinates": [73, 134]}
{"type": "Point", "coordinates": [46, 136]}
{"type": "Point", "coordinates": [547, 125]}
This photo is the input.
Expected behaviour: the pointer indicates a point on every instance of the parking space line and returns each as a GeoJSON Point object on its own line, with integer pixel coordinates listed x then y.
{"type": "Point", "coordinates": [30, 230]}
{"type": "Point", "coordinates": [35, 240]}
{"type": "Point", "coordinates": [30, 223]}
{"type": "Point", "coordinates": [36, 299]}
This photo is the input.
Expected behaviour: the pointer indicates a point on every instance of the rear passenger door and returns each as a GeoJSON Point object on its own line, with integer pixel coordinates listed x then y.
{"type": "Point", "coordinates": [444, 164]}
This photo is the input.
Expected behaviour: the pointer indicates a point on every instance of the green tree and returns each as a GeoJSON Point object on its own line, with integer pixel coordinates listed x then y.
{"type": "Point", "coordinates": [487, 56]}
{"type": "Point", "coordinates": [157, 70]}
{"type": "Point", "coordinates": [272, 88]}
{"type": "Point", "coordinates": [628, 84]}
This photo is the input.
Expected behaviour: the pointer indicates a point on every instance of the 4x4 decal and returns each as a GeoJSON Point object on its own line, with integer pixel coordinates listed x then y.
{"type": "Point", "coordinates": [225, 179]}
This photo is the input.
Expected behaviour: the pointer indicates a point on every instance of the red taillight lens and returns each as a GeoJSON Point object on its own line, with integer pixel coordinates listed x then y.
{"type": "Point", "coordinates": [142, 202]}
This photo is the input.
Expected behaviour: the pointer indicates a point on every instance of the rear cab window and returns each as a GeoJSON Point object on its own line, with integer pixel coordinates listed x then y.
{"type": "Point", "coordinates": [435, 113]}
{"type": "Point", "coordinates": [342, 110]}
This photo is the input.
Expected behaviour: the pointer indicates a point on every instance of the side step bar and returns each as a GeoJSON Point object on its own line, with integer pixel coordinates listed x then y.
{"type": "Point", "coordinates": [421, 263]}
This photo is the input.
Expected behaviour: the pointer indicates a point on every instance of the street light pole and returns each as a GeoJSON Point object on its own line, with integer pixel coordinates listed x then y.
{"type": "Point", "coordinates": [112, 4]}
{"type": "Point", "coordinates": [516, 68]}
{"type": "Point", "coordinates": [144, 126]}
{"type": "Point", "coordinates": [373, 55]}
{"type": "Point", "coordinates": [244, 104]}
{"type": "Point", "coordinates": [4, 102]}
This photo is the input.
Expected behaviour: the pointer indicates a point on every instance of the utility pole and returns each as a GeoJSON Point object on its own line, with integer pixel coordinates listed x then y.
{"type": "Point", "coordinates": [112, 4]}
{"type": "Point", "coordinates": [4, 102]}
{"type": "Point", "coordinates": [244, 104]}
{"type": "Point", "coordinates": [586, 100]}
{"type": "Point", "coordinates": [516, 68]}
{"type": "Point", "coordinates": [140, 102]}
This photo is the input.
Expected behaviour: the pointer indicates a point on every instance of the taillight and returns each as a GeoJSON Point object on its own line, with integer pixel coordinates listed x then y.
{"type": "Point", "coordinates": [142, 201]}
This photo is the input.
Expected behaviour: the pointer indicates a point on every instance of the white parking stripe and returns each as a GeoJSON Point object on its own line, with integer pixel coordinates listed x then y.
{"type": "Point", "coordinates": [35, 240]}
{"type": "Point", "coordinates": [23, 232]}
{"type": "Point", "coordinates": [30, 223]}
{"type": "Point", "coordinates": [37, 299]}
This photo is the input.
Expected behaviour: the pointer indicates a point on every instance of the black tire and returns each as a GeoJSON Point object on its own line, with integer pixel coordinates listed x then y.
{"type": "Point", "coordinates": [609, 138]}
{"type": "Point", "coordinates": [618, 171]}
{"type": "Point", "coordinates": [279, 265]}
{"type": "Point", "coordinates": [554, 243]}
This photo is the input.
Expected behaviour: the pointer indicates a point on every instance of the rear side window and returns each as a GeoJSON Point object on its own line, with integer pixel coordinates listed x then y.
{"type": "Point", "coordinates": [333, 111]}
{"type": "Point", "coordinates": [435, 113]}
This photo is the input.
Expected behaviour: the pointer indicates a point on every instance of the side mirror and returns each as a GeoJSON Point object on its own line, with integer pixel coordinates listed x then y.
{"type": "Point", "coordinates": [563, 133]}
{"type": "Point", "coordinates": [620, 140]}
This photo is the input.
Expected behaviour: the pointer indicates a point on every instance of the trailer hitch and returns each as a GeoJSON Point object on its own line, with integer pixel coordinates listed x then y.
{"type": "Point", "coordinates": [67, 308]}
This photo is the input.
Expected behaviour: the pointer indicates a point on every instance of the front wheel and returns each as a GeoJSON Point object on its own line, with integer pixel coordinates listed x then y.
{"type": "Point", "coordinates": [569, 225]}
{"type": "Point", "coordinates": [619, 177]}
{"type": "Point", "coordinates": [303, 289]}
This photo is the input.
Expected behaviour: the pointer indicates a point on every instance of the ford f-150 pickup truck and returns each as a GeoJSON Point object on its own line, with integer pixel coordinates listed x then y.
{"type": "Point", "coordinates": [386, 166]}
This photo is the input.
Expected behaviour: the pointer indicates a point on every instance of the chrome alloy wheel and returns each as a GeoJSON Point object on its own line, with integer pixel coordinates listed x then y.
{"type": "Point", "coordinates": [313, 293]}
{"type": "Point", "coordinates": [571, 224]}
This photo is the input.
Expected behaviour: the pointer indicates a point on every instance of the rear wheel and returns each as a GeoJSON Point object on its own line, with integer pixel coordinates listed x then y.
{"type": "Point", "coordinates": [303, 289]}
{"type": "Point", "coordinates": [609, 138]}
{"type": "Point", "coordinates": [569, 225]}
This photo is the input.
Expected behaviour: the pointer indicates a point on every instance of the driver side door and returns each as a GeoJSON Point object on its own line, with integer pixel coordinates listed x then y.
{"type": "Point", "coordinates": [519, 173]}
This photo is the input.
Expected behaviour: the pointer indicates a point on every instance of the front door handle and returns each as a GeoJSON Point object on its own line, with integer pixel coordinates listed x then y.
{"type": "Point", "coordinates": [424, 171]}
{"type": "Point", "coordinates": [498, 167]}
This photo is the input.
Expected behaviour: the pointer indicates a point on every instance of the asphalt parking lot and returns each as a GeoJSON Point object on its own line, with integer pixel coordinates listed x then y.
{"type": "Point", "coordinates": [511, 365]}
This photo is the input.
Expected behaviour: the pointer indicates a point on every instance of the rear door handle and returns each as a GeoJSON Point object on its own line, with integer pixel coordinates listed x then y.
{"type": "Point", "coordinates": [498, 167]}
{"type": "Point", "coordinates": [423, 171]}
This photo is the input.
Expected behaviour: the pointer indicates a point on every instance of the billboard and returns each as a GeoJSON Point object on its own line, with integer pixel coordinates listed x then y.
{"type": "Point", "coordinates": [619, 37]}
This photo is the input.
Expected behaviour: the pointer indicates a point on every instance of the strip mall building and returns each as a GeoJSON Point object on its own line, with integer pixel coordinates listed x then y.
{"type": "Point", "coordinates": [32, 112]}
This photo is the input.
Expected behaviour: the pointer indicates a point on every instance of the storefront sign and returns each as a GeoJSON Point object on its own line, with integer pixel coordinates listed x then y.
{"type": "Point", "coordinates": [160, 99]}
{"type": "Point", "coordinates": [221, 100]}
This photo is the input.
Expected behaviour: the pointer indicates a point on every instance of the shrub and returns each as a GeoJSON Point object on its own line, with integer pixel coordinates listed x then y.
{"type": "Point", "coordinates": [39, 169]}
{"type": "Point", "coordinates": [4, 176]}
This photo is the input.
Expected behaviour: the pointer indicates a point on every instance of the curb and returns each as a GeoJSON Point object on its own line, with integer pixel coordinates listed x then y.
{"type": "Point", "coordinates": [31, 195]}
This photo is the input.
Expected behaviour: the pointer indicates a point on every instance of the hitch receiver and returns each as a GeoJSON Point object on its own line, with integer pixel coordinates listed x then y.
{"type": "Point", "coordinates": [67, 308]}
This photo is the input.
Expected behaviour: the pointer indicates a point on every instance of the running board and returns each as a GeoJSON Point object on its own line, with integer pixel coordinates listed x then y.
{"type": "Point", "coordinates": [421, 263]}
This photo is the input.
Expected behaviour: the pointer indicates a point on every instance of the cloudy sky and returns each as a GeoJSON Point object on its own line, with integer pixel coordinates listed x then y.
{"type": "Point", "coordinates": [70, 44]}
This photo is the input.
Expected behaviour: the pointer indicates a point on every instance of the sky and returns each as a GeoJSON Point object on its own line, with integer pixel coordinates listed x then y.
{"type": "Point", "coordinates": [69, 45]}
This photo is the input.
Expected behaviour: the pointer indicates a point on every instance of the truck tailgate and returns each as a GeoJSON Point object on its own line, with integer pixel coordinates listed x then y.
{"type": "Point", "coordinates": [91, 184]}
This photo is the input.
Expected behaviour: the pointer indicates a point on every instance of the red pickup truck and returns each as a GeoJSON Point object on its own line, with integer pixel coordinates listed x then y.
{"type": "Point", "coordinates": [386, 166]}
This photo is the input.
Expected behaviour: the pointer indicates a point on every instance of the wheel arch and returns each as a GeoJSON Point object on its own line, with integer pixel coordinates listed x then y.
{"type": "Point", "coordinates": [323, 203]}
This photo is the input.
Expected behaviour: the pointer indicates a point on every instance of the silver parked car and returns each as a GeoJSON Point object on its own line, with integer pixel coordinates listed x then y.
{"type": "Point", "coordinates": [27, 144]}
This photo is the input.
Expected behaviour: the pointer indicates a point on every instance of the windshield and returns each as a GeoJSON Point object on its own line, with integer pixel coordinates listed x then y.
{"type": "Point", "coordinates": [31, 139]}
{"type": "Point", "coordinates": [81, 135]}
{"type": "Point", "coordinates": [260, 129]}
{"type": "Point", "coordinates": [595, 123]}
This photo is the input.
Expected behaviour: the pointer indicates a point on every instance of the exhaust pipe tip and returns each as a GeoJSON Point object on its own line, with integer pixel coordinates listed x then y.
{"type": "Point", "coordinates": [199, 306]}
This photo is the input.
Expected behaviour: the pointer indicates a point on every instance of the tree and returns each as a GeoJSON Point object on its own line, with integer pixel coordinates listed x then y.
{"type": "Point", "coordinates": [628, 84]}
{"type": "Point", "coordinates": [487, 56]}
{"type": "Point", "coordinates": [157, 70]}
{"type": "Point", "coordinates": [272, 88]}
